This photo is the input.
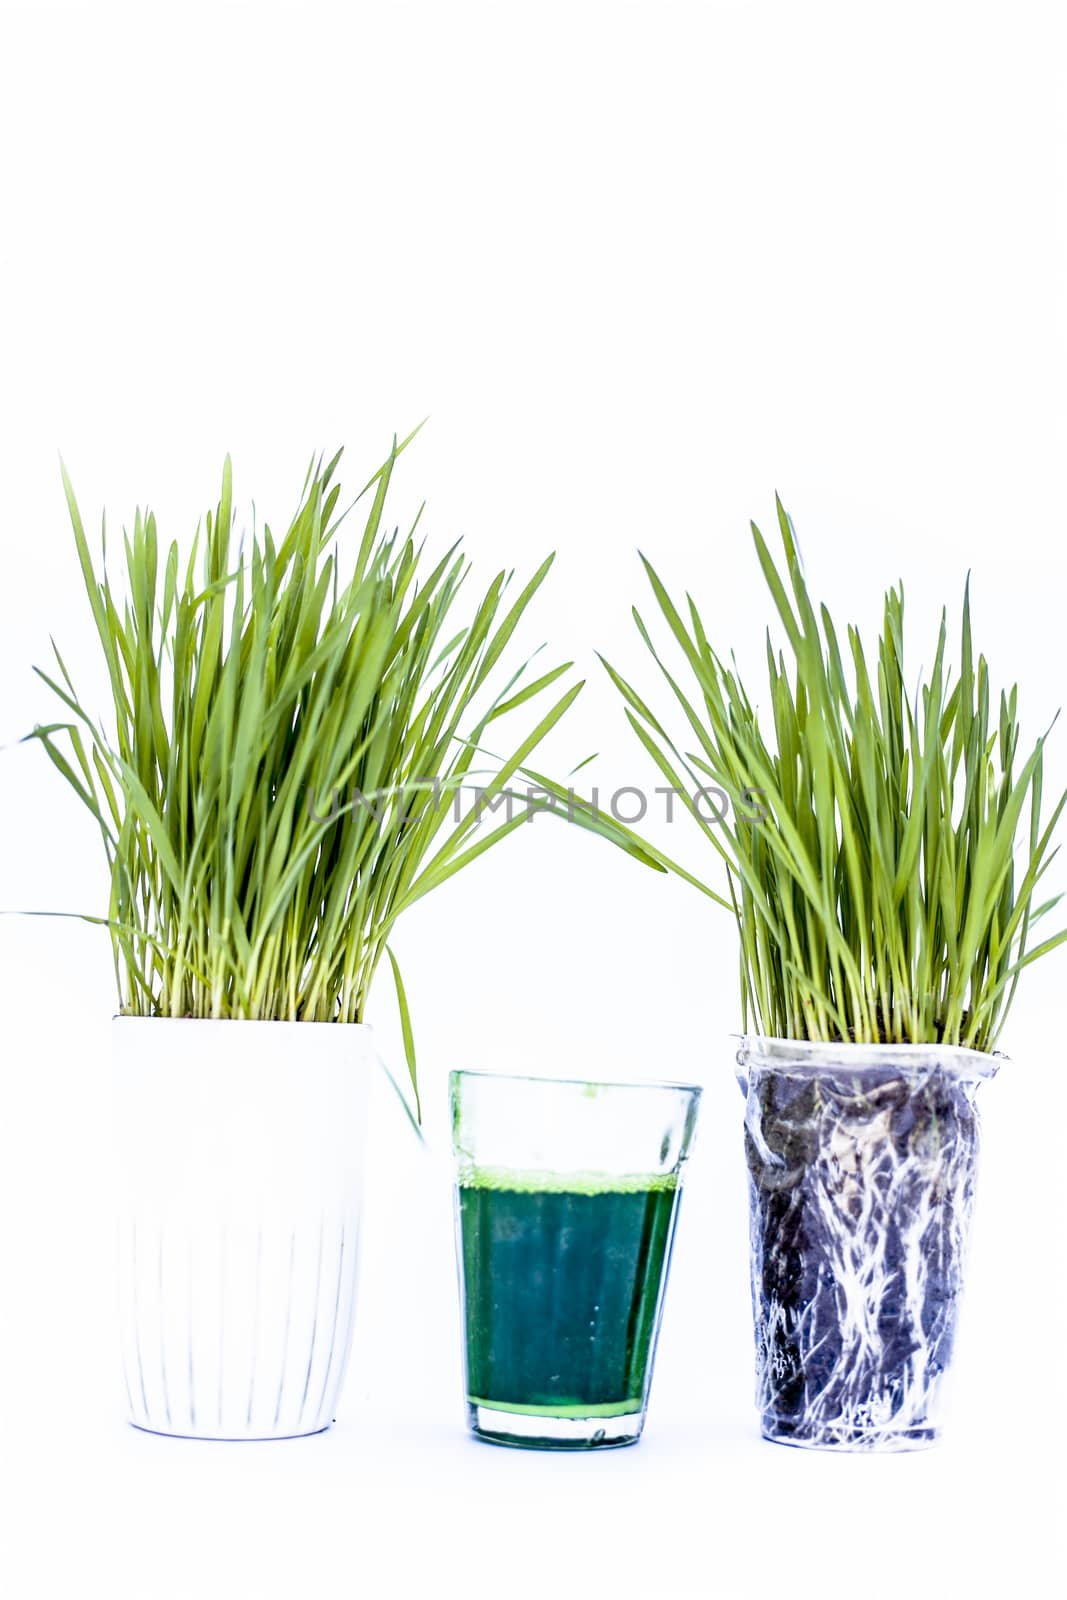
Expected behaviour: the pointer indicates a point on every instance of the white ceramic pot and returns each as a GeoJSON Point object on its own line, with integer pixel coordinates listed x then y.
{"type": "Point", "coordinates": [240, 1168]}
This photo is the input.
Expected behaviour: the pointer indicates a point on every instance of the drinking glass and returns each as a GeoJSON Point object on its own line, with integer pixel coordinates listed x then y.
{"type": "Point", "coordinates": [566, 1201]}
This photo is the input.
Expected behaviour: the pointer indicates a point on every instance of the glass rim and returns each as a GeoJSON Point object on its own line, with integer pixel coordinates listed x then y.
{"type": "Point", "coordinates": [830, 1055]}
{"type": "Point", "coordinates": [575, 1083]}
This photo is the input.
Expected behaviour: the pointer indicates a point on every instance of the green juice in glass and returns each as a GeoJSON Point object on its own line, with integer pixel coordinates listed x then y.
{"type": "Point", "coordinates": [562, 1282]}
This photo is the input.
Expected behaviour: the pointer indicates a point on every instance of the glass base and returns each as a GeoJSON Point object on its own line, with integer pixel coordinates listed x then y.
{"type": "Point", "coordinates": [870, 1442]}
{"type": "Point", "coordinates": [541, 1429]}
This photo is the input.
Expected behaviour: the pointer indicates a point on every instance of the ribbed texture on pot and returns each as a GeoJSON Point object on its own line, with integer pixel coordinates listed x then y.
{"type": "Point", "coordinates": [235, 1336]}
{"type": "Point", "coordinates": [241, 1163]}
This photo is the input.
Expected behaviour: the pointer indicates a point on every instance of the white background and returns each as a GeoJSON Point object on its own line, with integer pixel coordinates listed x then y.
{"type": "Point", "coordinates": [643, 265]}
